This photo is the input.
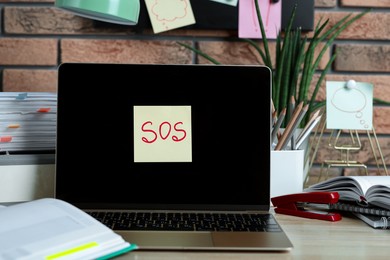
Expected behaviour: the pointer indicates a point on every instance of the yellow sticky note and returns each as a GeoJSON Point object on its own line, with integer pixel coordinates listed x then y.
{"type": "Point", "coordinates": [162, 134]}
{"type": "Point", "coordinates": [169, 14]}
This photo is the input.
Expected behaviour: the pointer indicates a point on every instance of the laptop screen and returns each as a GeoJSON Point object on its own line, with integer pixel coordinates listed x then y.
{"type": "Point", "coordinates": [163, 136]}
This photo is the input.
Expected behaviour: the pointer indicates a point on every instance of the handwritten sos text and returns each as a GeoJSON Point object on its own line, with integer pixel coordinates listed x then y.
{"type": "Point", "coordinates": [164, 131]}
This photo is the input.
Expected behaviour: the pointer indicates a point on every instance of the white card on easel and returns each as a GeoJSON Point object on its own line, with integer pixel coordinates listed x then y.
{"type": "Point", "coordinates": [349, 107]}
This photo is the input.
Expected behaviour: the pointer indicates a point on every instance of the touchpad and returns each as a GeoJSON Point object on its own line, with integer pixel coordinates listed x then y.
{"type": "Point", "coordinates": [168, 240]}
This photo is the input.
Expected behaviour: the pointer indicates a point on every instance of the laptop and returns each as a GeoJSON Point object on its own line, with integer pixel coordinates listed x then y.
{"type": "Point", "coordinates": [171, 157]}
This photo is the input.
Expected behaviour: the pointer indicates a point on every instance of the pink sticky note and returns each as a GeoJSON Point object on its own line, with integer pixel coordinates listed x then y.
{"type": "Point", "coordinates": [248, 23]}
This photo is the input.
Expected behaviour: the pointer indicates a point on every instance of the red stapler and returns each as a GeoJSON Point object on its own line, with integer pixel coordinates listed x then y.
{"type": "Point", "coordinates": [294, 204]}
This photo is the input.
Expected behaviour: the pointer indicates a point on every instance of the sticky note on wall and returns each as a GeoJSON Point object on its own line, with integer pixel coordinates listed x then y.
{"type": "Point", "coordinates": [248, 23]}
{"type": "Point", "coordinates": [167, 15]}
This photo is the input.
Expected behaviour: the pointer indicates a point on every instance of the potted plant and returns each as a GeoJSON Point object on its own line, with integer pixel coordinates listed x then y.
{"type": "Point", "coordinates": [296, 61]}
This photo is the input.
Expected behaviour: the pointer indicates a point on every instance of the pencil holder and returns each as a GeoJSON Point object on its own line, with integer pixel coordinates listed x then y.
{"type": "Point", "coordinates": [287, 172]}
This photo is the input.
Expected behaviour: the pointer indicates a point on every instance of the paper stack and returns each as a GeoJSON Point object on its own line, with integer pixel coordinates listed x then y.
{"type": "Point", "coordinates": [27, 121]}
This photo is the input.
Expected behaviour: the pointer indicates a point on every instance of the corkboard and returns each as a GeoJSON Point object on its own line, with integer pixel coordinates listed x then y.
{"type": "Point", "coordinates": [211, 15]}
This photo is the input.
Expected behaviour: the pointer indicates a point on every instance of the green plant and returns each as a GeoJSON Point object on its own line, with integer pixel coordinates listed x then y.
{"type": "Point", "coordinates": [296, 60]}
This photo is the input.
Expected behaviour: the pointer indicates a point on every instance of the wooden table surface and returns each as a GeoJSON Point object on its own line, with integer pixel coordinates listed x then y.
{"type": "Point", "coordinates": [349, 238]}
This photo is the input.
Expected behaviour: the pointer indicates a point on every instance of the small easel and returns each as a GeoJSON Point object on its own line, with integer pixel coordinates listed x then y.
{"type": "Point", "coordinates": [345, 149]}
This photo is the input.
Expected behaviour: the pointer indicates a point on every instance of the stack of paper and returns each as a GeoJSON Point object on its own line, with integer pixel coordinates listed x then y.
{"type": "Point", "coordinates": [27, 121]}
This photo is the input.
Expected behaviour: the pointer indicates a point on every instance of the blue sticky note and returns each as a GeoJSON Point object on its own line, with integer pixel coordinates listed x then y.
{"type": "Point", "coordinates": [349, 107]}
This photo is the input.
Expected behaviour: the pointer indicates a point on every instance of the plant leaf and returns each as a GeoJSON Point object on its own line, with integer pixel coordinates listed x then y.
{"type": "Point", "coordinates": [259, 50]}
{"type": "Point", "coordinates": [199, 52]}
{"type": "Point", "coordinates": [263, 35]}
{"type": "Point", "coordinates": [312, 106]}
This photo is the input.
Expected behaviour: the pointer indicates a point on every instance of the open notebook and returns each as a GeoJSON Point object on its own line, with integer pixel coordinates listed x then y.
{"type": "Point", "coordinates": [177, 155]}
{"type": "Point", "coordinates": [53, 229]}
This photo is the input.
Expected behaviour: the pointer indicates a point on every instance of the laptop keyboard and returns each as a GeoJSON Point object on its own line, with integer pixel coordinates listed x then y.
{"type": "Point", "coordinates": [188, 221]}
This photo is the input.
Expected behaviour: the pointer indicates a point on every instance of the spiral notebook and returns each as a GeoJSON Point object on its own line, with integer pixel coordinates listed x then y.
{"type": "Point", "coordinates": [173, 142]}
{"type": "Point", "coordinates": [357, 208]}
{"type": "Point", "coordinates": [374, 221]}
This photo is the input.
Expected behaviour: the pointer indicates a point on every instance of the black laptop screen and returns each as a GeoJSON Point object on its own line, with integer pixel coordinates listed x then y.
{"type": "Point", "coordinates": [163, 136]}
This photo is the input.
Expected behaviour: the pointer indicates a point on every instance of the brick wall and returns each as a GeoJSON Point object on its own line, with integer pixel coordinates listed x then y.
{"type": "Point", "coordinates": [36, 37]}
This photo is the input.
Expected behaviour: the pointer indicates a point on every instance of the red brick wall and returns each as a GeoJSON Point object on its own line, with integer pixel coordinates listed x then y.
{"type": "Point", "coordinates": [36, 37]}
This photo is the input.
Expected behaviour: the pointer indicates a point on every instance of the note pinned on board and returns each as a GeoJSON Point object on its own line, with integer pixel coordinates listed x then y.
{"type": "Point", "coordinates": [167, 15]}
{"type": "Point", "coordinates": [349, 107]}
{"type": "Point", "coordinates": [248, 23]}
{"type": "Point", "coordinates": [162, 134]}
{"type": "Point", "coordinates": [227, 2]}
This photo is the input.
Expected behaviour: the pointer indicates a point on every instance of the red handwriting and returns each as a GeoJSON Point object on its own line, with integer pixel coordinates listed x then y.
{"type": "Point", "coordinates": [164, 131]}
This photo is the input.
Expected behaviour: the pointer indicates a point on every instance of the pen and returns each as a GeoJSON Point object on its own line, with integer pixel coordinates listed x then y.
{"type": "Point", "coordinates": [312, 118]}
{"type": "Point", "coordinates": [273, 110]}
{"type": "Point", "coordinates": [298, 115]}
{"type": "Point", "coordinates": [283, 139]}
{"type": "Point", "coordinates": [274, 117]}
{"type": "Point", "coordinates": [272, 106]}
{"type": "Point", "coordinates": [296, 125]}
{"type": "Point", "coordinates": [307, 132]}
{"type": "Point", "coordinates": [292, 107]}
{"type": "Point", "coordinates": [278, 123]}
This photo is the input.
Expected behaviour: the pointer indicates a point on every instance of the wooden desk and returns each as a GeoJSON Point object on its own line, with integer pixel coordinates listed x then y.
{"type": "Point", "coordinates": [349, 238]}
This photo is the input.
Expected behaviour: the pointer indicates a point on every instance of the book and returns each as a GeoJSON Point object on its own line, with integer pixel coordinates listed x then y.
{"type": "Point", "coordinates": [363, 190]}
{"type": "Point", "coordinates": [50, 228]}
{"type": "Point", "coordinates": [374, 221]}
